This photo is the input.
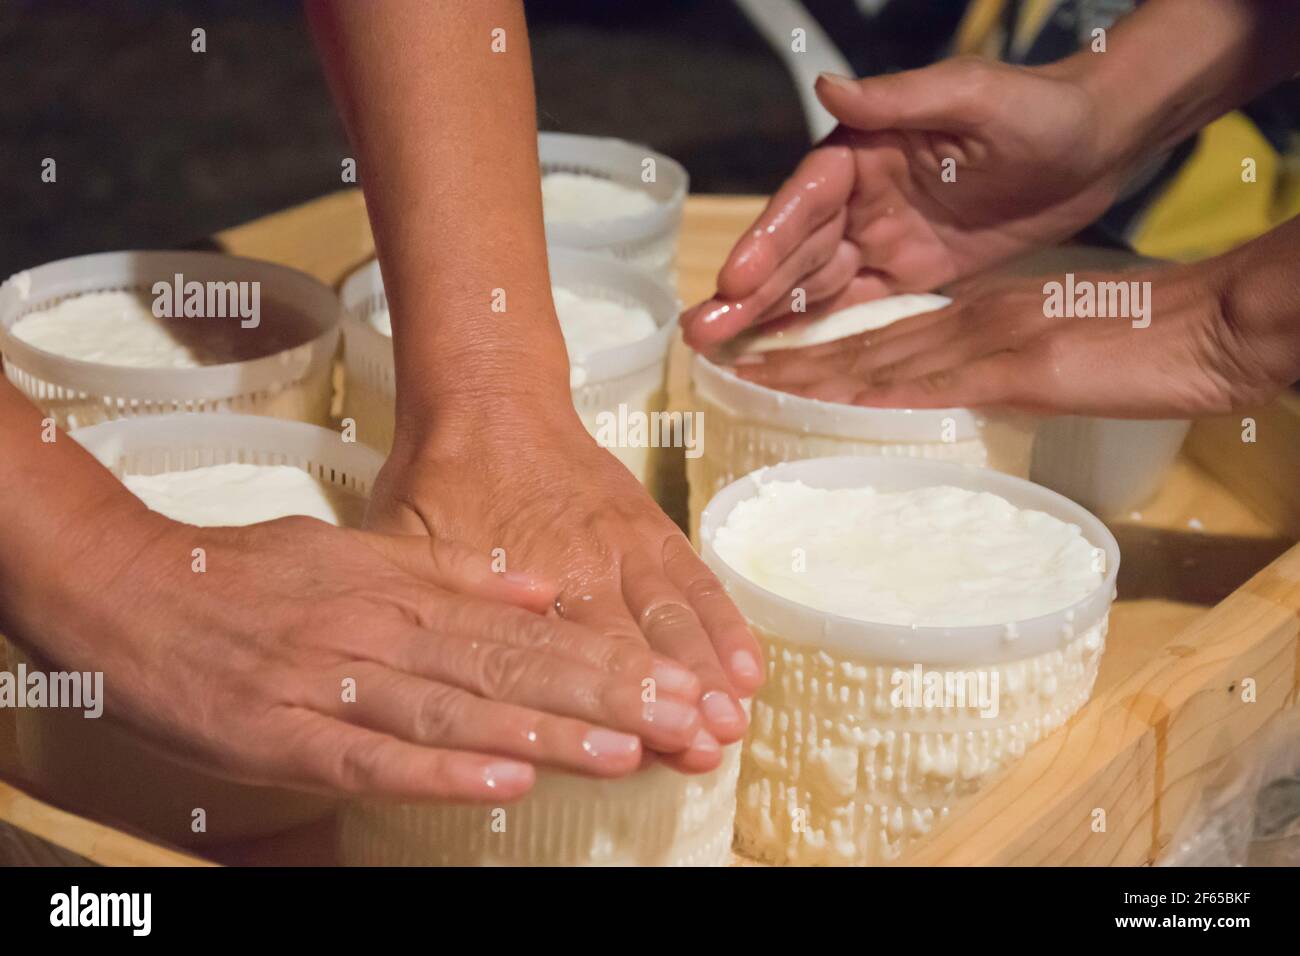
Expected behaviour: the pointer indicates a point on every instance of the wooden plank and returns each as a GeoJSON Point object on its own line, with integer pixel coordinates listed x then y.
{"type": "Point", "coordinates": [1263, 472]}
{"type": "Point", "coordinates": [93, 841]}
{"type": "Point", "coordinates": [1143, 749]}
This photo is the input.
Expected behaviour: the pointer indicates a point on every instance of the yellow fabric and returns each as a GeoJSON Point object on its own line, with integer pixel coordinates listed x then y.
{"type": "Point", "coordinates": [1032, 15]}
{"type": "Point", "coordinates": [1207, 209]}
{"type": "Point", "coordinates": [979, 30]}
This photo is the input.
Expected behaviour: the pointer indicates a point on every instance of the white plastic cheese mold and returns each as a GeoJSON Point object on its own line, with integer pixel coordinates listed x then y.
{"type": "Point", "coordinates": [749, 426]}
{"type": "Point", "coordinates": [837, 768]}
{"type": "Point", "coordinates": [646, 240]}
{"type": "Point", "coordinates": [285, 382]}
{"type": "Point", "coordinates": [656, 817]}
{"type": "Point", "coordinates": [101, 765]}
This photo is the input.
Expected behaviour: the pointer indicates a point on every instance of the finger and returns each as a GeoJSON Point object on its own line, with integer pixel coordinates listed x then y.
{"type": "Point", "coordinates": [437, 715]}
{"type": "Point", "coordinates": [1001, 379]}
{"type": "Point", "coordinates": [337, 757]}
{"type": "Point", "coordinates": [544, 681]}
{"type": "Point", "coordinates": [818, 189]}
{"type": "Point", "coordinates": [794, 369]}
{"type": "Point", "coordinates": [809, 257]}
{"type": "Point", "coordinates": [434, 609]}
{"type": "Point", "coordinates": [733, 642]}
{"type": "Point", "coordinates": [703, 755]}
{"type": "Point", "coordinates": [945, 96]}
{"type": "Point", "coordinates": [865, 357]}
{"type": "Point", "coordinates": [865, 285]}
{"type": "Point", "coordinates": [462, 569]}
{"type": "Point", "coordinates": [672, 627]}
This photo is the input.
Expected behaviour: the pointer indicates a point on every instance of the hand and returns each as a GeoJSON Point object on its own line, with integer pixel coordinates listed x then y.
{"type": "Point", "coordinates": [241, 669]}
{"type": "Point", "coordinates": [869, 213]}
{"type": "Point", "coordinates": [554, 501]}
{"type": "Point", "coordinates": [1211, 347]}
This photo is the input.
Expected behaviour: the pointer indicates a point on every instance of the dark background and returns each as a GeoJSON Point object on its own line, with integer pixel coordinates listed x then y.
{"type": "Point", "coordinates": [157, 146]}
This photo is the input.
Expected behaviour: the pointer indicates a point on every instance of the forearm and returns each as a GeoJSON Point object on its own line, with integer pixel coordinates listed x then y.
{"type": "Point", "coordinates": [60, 509]}
{"type": "Point", "coordinates": [445, 136]}
{"type": "Point", "coordinates": [1172, 66]}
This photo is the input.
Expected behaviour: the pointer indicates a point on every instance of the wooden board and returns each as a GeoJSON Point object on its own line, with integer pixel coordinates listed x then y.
{"type": "Point", "coordinates": [1209, 596]}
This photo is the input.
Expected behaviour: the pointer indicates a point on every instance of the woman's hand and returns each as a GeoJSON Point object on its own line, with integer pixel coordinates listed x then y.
{"type": "Point", "coordinates": [536, 485]}
{"type": "Point", "coordinates": [1222, 335]}
{"type": "Point", "coordinates": [318, 658]}
{"type": "Point", "coordinates": [932, 175]}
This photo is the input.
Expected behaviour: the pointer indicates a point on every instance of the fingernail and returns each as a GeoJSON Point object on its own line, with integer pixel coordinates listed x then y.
{"type": "Point", "coordinates": [673, 678]}
{"type": "Point", "coordinates": [705, 742]}
{"type": "Point", "coordinates": [839, 80]}
{"type": "Point", "coordinates": [745, 666]}
{"type": "Point", "coordinates": [599, 743]}
{"type": "Point", "coordinates": [670, 714]}
{"type": "Point", "coordinates": [507, 775]}
{"type": "Point", "coordinates": [720, 710]}
{"type": "Point", "coordinates": [750, 358]}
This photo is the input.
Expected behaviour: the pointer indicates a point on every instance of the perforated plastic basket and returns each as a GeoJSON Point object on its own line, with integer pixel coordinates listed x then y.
{"type": "Point", "coordinates": [285, 382]}
{"type": "Point", "coordinates": [833, 771]}
{"type": "Point", "coordinates": [649, 240]}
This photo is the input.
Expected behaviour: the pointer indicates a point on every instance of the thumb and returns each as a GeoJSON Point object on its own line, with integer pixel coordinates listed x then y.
{"type": "Point", "coordinates": [934, 97]}
{"type": "Point", "coordinates": [462, 569]}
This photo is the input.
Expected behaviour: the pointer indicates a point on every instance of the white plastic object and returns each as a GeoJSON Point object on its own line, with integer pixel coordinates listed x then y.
{"type": "Point", "coordinates": [101, 766]}
{"type": "Point", "coordinates": [647, 241]}
{"type": "Point", "coordinates": [655, 817]}
{"type": "Point", "coordinates": [777, 20]}
{"type": "Point", "coordinates": [291, 383]}
{"type": "Point", "coordinates": [827, 748]}
{"type": "Point", "coordinates": [631, 375]}
{"type": "Point", "coordinates": [749, 426]}
{"type": "Point", "coordinates": [1108, 465]}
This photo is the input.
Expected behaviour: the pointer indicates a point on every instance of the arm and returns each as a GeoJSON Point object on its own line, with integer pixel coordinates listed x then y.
{"type": "Point", "coordinates": [446, 141]}
{"type": "Point", "coordinates": [489, 449]}
{"type": "Point", "coordinates": [1040, 153]}
{"type": "Point", "coordinates": [239, 668]}
{"type": "Point", "coordinates": [1217, 336]}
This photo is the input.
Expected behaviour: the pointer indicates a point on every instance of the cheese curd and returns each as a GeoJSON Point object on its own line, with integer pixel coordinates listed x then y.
{"type": "Point", "coordinates": [864, 317]}
{"type": "Point", "coordinates": [573, 197]}
{"type": "Point", "coordinates": [240, 494]}
{"type": "Point", "coordinates": [119, 328]}
{"type": "Point", "coordinates": [926, 557]}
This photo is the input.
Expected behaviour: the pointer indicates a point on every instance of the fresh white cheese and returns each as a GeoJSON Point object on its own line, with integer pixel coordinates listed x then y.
{"type": "Point", "coordinates": [239, 494]}
{"type": "Point", "coordinates": [572, 197]}
{"type": "Point", "coordinates": [864, 317]}
{"type": "Point", "coordinates": [119, 328]}
{"type": "Point", "coordinates": [927, 556]}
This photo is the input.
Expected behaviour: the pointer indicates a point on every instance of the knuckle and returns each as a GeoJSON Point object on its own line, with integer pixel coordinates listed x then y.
{"type": "Point", "coordinates": [667, 615]}
{"type": "Point", "coordinates": [355, 767]}
{"type": "Point", "coordinates": [499, 670]}
{"type": "Point", "coordinates": [439, 713]}
{"type": "Point", "coordinates": [705, 589]}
